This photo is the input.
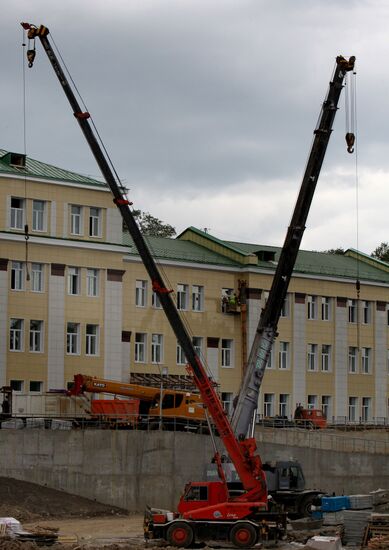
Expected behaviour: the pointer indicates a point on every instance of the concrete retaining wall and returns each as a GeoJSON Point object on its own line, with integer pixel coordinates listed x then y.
{"type": "Point", "coordinates": [132, 469]}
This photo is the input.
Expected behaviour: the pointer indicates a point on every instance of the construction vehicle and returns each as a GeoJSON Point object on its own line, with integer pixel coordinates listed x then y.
{"type": "Point", "coordinates": [206, 509]}
{"type": "Point", "coordinates": [246, 405]}
{"type": "Point", "coordinates": [178, 409]}
{"type": "Point", "coordinates": [310, 418]}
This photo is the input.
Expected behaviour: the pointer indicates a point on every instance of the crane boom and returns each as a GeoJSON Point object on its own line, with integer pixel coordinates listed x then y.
{"type": "Point", "coordinates": [266, 332]}
{"type": "Point", "coordinates": [242, 452]}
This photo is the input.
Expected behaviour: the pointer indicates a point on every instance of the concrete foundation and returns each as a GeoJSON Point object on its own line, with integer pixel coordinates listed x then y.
{"type": "Point", "coordinates": [133, 469]}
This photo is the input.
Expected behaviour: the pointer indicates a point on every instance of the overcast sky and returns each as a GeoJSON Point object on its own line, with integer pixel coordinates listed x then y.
{"type": "Point", "coordinates": [207, 108]}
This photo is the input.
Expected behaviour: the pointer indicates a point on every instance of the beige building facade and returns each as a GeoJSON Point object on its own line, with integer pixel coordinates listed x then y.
{"type": "Point", "coordinates": [75, 298]}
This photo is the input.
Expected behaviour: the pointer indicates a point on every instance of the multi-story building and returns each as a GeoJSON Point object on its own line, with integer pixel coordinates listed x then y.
{"type": "Point", "coordinates": [75, 297]}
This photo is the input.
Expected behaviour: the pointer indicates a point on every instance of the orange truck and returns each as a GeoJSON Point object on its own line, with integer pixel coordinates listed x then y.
{"type": "Point", "coordinates": [310, 418]}
{"type": "Point", "coordinates": [179, 409]}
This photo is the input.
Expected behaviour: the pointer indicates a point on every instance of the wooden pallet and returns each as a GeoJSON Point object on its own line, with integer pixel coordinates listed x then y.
{"type": "Point", "coordinates": [376, 534]}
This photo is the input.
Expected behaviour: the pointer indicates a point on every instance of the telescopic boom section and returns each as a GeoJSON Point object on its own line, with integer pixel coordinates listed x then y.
{"type": "Point", "coordinates": [266, 333]}
{"type": "Point", "coordinates": [242, 453]}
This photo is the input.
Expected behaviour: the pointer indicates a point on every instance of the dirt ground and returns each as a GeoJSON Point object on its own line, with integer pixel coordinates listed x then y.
{"type": "Point", "coordinates": [79, 522]}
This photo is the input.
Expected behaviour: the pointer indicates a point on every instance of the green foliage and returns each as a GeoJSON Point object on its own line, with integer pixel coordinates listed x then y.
{"type": "Point", "coordinates": [381, 252]}
{"type": "Point", "coordinates": [339, 251]}
{"type": "Point", "coordinates": [151, 226]}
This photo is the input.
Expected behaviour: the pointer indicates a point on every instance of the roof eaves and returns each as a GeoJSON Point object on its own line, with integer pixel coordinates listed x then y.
{"type": "Point", "coordinates": [365, 258]}
{"type": "Point", "coordinates": [215, 240]}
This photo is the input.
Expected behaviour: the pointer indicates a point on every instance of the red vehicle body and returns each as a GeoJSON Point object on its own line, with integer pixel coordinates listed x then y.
{"type": "Point", "coordinates": [117, 411]}
{"type": "Point", "coordinates": [311, 418]}
{"type": "Point", "coordinates": [207, 510]}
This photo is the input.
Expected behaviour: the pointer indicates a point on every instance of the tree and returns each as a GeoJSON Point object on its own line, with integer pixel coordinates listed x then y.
{"type": "Point", "coordinates": [381, 252]}
{"type": "Point", "coordinates": [338, 251]}
{"type": "Point", "coordinates": [151, 226]}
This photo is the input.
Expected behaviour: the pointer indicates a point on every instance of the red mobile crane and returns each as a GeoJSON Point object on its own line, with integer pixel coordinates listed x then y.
{"type": "Point", "coordinates": [206, 509]}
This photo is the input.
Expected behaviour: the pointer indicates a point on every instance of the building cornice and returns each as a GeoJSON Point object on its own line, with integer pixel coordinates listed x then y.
{"type": "Point", "coordinates": [66, 243]}
{"type": "Point", "coordinates": [254, 271]}
{"type": "Point", "coordinates": [57, 182]}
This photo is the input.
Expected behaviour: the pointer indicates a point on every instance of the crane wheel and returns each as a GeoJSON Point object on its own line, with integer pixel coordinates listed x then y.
{"type": "Point", "coordinates": [180, 534]}
{"type": "Point", "coordinates": [305, 506]}
{"type": "Point", "coordinates": [243, 535]}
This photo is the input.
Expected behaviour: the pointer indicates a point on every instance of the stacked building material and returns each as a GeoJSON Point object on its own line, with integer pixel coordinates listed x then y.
{"type": "Point", "coordinates": [57, 424]}
{"type": "Point", "coordinates": [333, 518]}
{"type": "Point", "coordinates": [355, 522]}
{"type": "Point", "coordinates": [35, 423]}
{"type": "Point", "coordinates": [377, 532]}
{"type": "Point", "coordinates": [360, 502]}
{"type": "Point", "coordinates": [12, 424]}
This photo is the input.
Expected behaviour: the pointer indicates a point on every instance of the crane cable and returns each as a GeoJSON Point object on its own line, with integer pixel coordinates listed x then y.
{"type": "Point", "coordinates": [26, 228]}
{"type": "Point", "coordinates": [352, 143]}
{"type": "Point", "coordinates": [124, 192]}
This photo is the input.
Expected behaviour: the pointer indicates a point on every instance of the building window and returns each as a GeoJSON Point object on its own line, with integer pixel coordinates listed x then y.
{"type": "Point", "coordinates": [17, 276]}
{"type": "Point", "coordinates": [312, 402]}
{"type": "Point", "coordinates": [312, 309]}
{"type": "Point", "coordinates": [37, 277]}
{"type": "Point", "coordinates": [36, 386]}
{"type": "Point", "coordinates": [366, 409]}
{"type": "Point", "coordinates": [270, 359]}
{"type": "Point", "coordinates": [268, 404]}
{"type": "Point", "coordinates": [140, 347]}
{"type": "Point", "coordinates": [352, 409]}
{"type": "Point", "coordinates": [73, 280]}
{"type": "Point", "coordinates": [182, 296]}
{"type": "Point", "coordinates": [366, 360]}
{"type": "Point", "coordinates": [227, 346]}
{"type": "Point", "coordinates": [38, 215]}
{"type": "Point", "coordinates": [326, 405]}
{"type": "Point", "coordinates": [325, 358]}
{"type": "Point", "coordinates": [180, 355]}
{"type": "Point", "coordinates": [157, 348]}
{"type": "Point", "coordinates": [284, 355]}
{"type": "Point", "coordinates": [312, 357]}
{"type": "Point", "coordinates": [352, 359]}
{"type": "Point", "coordinates": [285, 307]}
{"type": "Point", "coordinates": [73, 339]}
{"type": "Point", "coordinates": [76, 224]}
{"type": "Point", "coordinates": [92, 282]}
{"type": "Point", "coordinates": [141, 293]}
{"type": "Point", "coordinates": [283, 410]}
{"type": "Point", "coordinates": [17, 385]}
{"type": "Point", "coordinates": [92, 340]}
{"type": "Point", "coordinates": [227, 402]}
{"type": "Point", "coordinates": [352, 311]}
{"type": "Point", "coordinates": [197, 298]}
{"type": "Point", "coordinates": [16, 335]}
{"type": "Point", "coordinates": [155, 301]}
{"type": "Point", "coordinates": [95, 222]}
{"type": "Point", "coordinates": [367, 312]}
{"type": "Point", "coordinates": [36, 336]}
{"type": "Point", "coordinates": [198, 345]}
{"type": "Point", "coordinates": [325, 308]}
{"type": "Point", "coordinates": [17, 213]}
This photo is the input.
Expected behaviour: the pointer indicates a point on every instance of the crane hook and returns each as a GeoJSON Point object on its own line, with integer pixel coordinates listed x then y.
{"type": "Point", "coordinates": [30, 57]}
{"type": "Point", "coordinates": [350, 140]}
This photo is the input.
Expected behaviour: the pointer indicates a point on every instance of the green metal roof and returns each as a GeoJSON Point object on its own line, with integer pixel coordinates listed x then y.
{"type": "Point", "coordinates": [310, 263]}
{"type": "Point", "coordinates": [179, 250]}
{"type": "Point", "coordinates": [322, 263]}
{"type": "Point", "coordinates": [36, 169]}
